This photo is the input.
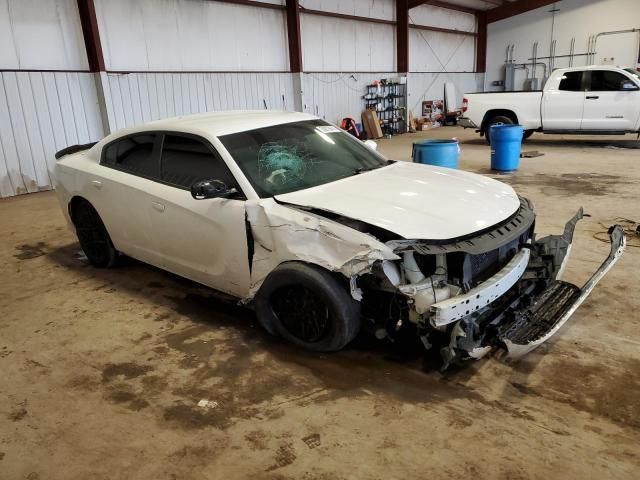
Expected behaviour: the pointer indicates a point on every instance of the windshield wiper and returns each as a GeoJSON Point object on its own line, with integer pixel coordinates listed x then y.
{"type": "Point", "coordinates": [374, 167]}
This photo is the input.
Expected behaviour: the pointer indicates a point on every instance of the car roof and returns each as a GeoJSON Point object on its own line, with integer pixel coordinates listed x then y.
{"type": "Point", "coordinates": [592, 67]}
{"type": "Point", "coordinates": [220, 123]}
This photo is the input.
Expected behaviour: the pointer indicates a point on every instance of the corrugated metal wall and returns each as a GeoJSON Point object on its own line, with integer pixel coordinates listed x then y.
{"type": "Point", "coordinates": [141, 97]}
{"type": "Point", "coordinates": [430, 86]}
{"type": "Point", "coordinates": [188, 56]}
{"type": "Point", "coordinates": [333, 96]}
{"type": "Point", "coordinates": [42, 112]}
{"type": "Point", "coordinates": [340, 45]}
{"type": "Point", "coordinates": [436, 51]}
{"type": "Point", "coordinates": [186, 35]}
{"type": "Point", "coordinates": [42, 35]}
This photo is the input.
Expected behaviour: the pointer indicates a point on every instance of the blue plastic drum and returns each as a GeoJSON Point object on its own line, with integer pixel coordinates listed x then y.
{"type": "Point", "coordinates": [505, 147]}
{"type": "Point", "coordinates": [441, 153]}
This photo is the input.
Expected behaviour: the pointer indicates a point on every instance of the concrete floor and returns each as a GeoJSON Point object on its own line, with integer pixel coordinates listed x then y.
{"type": "Point", "coordinates": [102, 370]}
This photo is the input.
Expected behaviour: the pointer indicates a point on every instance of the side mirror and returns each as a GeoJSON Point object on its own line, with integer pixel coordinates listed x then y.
{"type": "Point", "coordinates": [211, 189]}
{"type": "Point", "coordinates": [371, 144]}
{"type": "Point", "coordinates": [629, 86]}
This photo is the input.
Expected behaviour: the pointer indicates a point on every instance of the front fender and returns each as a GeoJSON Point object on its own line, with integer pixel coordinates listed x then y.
{"type": "Point", "coordinates": [281, 233]}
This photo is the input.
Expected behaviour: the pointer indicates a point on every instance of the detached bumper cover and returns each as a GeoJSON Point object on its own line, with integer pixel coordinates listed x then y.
{"type": "Point", "coordinates": [521, 306]}
{"type": "Point", "coordinates": [555, 305]}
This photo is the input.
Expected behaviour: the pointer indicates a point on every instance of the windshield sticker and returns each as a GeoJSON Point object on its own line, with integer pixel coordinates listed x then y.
{"type": "Point", "coordinates": [327, 129]}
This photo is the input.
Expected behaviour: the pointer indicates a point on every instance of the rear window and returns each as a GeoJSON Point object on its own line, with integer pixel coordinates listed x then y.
{"type": "Point", "coordinates": [133, 154]}
{"type": "Point", "coordinates": [571, 82]}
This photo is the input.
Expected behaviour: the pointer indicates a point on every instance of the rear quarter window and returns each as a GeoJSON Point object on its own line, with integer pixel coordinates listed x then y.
{"type": "Point", "coordinates": [133, 154]}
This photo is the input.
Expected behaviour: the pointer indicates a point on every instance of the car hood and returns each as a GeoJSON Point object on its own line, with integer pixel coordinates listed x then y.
{"type": "Point", "coordinates": [415, 201]}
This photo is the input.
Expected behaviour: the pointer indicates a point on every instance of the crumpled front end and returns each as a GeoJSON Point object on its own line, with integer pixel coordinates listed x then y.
{"type": "Point", "coordinates": [499, 289]}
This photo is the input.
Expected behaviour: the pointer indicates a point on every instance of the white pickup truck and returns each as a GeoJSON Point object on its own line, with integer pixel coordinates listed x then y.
{"type": "Point", "coordinates": [595, 100]}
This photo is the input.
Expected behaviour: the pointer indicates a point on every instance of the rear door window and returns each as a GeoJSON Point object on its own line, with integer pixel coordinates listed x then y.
{"type": "Point", "coordinates": [134, 154]}
{"type": "Point", "coordinates": [607, 81]}
{"type": "Point", "coordinates": [186, 160]}
{"type": "Point", "coordinates": [571, 82]}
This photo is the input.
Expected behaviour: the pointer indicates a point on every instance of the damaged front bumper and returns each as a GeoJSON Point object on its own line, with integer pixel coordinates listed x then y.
{"type": "Point", "coordinates": [537, 323]}
{"type": "Point", "coordinates": [516, 309]}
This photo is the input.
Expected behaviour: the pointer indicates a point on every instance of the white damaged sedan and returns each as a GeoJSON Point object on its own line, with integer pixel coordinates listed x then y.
{"type": "Point", "coordinates": [322, 234]}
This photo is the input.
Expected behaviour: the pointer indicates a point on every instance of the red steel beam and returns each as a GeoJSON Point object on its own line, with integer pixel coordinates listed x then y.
{"type": "Point", "coordinates": [293, 32]}
{"type": "Point", "coordinates": [515, 8]}
{"type": "Point", "coordinates": [442, 30]}
{"type": "Point", "coordinates": [253, 3]}
{"type": "Point", "coordinates": [481, 42]}
{"type": "Point", "coordinates": [89, 23]}
{"type": "Point", "coordinates": [402, 36]}
{"type": "Point", "coordinates": [344, 16]}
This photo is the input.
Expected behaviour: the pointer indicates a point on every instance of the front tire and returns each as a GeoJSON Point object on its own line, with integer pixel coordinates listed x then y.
{"type": "Point", "coordinates": [93, 236]}
{"type": "Point", "coordinates": [309, 307]}
{"type": "Point", "coordinates": [499, 119]}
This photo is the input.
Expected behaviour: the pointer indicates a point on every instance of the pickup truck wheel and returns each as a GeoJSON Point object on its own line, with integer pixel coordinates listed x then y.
{"type": "Point", "coordinates": [308, 306]}
{"type": "Point", "coordinates": [500, 119]}
{"type": "Point", "coordinates": [93, 236]}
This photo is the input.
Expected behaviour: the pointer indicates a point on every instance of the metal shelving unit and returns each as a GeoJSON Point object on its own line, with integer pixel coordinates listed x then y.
{"type": "Point", "coordinates": [389, 102]}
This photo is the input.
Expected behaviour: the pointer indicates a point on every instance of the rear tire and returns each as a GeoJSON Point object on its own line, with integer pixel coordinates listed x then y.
{"type": "Point", "coordinates": [309, 307]}
{"type": "Point", "coordinates": [494, 121]}
{"type": "Point", "coordinates": [93, 236]}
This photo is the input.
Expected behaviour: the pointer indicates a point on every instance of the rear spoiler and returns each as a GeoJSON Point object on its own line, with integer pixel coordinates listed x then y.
{"type": "Point", "coordinates": [73, 149]}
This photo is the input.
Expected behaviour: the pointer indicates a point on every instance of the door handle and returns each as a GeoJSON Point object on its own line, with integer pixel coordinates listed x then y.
{"type": "Point", "coordinates": [97, 184]}
{"type": "Point", "coordinates": [593, 97]}
{"type": "Point", "coordinates": [157, 206]}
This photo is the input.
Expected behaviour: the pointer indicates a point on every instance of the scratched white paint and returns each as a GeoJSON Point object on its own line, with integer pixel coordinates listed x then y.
{"type": "Point", "coordinates": [41, 113]}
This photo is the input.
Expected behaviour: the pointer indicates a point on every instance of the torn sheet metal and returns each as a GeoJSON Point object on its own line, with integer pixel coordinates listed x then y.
{"type": "Point", "coordinates": [281, 233]}
{"type": "Point", "coordinates": [555, 305]}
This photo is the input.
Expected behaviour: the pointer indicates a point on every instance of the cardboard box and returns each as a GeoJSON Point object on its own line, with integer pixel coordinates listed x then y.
{"type": "Point", "coordinates": [371, 124]}
{"type": "Point", "coordinates": [425, 125]}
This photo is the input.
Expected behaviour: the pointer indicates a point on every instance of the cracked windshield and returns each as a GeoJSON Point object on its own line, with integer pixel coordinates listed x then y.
{"type": "Point", "coordinates": [294, 156]}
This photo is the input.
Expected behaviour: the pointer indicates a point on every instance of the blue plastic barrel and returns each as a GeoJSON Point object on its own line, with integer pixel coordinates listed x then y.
{"type": "Point", "coordinates": [441, 153]}
{"type": "Point", "coordinates": [505, 147]}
